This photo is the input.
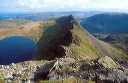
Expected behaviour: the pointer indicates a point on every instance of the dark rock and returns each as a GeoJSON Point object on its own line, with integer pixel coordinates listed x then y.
{"type": "Point", "coordinates": [121, 69]}
{"type": "Point", "coordinates": [124, 81]}
{"type": "Point", "coordinates": [41, 76]}
{"type": "Point", "coordinates": [108, 81]}
{"type": "Point", "coordinates": [48, 70]}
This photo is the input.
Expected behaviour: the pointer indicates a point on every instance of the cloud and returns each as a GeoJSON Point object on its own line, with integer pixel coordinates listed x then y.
{"type": "Point", "coordinates": [111, 4]}
{"type": "Point", "coordinates": [61, 5]}
{"type": "Point", "coordinates": [51, 3]}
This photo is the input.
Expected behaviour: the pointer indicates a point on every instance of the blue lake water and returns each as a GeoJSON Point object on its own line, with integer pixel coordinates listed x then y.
{"type": "Point", "coordinates": [16, 49]}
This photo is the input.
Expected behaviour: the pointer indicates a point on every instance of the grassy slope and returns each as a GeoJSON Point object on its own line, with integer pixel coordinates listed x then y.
{"type": "Point", "coordinates": [84, 49]}
{"type": "Point", "coordinates": [95, 48]}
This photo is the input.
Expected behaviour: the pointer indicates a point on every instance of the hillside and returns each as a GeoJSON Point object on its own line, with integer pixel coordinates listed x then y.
{"type": "Point", "coordinates": [67, 38]}
{"type": "Point", "coordinates": [13, 23]}
{"type": "Point", "coordinates": [26, 29]}
{"type": "Point", "coordinates": [107, 23]}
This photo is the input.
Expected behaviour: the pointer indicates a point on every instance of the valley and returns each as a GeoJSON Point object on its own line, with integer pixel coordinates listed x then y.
{"type": "Point", "coordinates": [119, 41]}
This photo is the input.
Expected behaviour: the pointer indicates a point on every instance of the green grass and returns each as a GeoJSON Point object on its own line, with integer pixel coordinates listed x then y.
{"type": "Point", "coordinates": [2, 81]}
{"type": "Point", "coordinates": [122, 47]}
{"type": "Point", "coordinates": [119, 55]}
{"type": "Point", "coordinates": [90, 82]}
{"type": "Point", "coordinates": [85, 48]}
{"type": "Point", "coordinates": [63, 81]}
{"type": "Point", "coordinates": [67, 70]}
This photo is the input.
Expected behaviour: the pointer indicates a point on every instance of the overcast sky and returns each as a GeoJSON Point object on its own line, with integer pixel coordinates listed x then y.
{"type": "Point", "coordinates": [63, 5]}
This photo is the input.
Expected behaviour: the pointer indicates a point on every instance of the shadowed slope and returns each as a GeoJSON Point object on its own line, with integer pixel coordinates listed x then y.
{"type": "Point", "coordinates": [107, 23]}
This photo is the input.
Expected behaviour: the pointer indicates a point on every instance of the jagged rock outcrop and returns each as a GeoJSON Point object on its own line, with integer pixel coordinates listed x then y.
{"type": "Point", "coordinates": [65, 37]}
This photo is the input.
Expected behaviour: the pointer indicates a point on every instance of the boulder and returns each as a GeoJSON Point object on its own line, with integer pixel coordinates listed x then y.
{"type": "Point", "coordinates": [48, 70]}
{"type": "Point", "coordinates": [107, 62]}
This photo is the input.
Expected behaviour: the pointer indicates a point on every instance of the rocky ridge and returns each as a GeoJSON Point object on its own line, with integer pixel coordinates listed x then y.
{"type": "Point", "coordinates": [66, 37]}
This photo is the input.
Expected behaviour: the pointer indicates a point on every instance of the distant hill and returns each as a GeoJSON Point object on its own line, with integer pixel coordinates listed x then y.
{"type": "Point", "coordinates": [13, 23]}
{"type": "Point", "coordinates": [48, 15]}
{"type": "Point", "coordinates": [107, 23]}
{"type": "Point", "coordinates": [3, 17]}
{"type": "Point", "coordinates": [8, 15]}
{"type": "Point", "coordinates": [35, 17]}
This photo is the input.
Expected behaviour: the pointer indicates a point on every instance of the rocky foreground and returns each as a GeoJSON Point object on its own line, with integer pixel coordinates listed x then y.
{"type": "Point", "coordinates": [101, 70]}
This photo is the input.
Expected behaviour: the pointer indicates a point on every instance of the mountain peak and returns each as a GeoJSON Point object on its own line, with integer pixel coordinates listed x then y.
{"type": "Point", "coordinates": [71, 17]}
{"type": "Point", "coordinates": [65, 37]}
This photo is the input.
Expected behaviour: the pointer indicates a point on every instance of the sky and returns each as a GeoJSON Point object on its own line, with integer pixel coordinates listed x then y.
{"type": "Point", "coordinates": [63, 5]}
